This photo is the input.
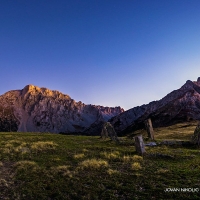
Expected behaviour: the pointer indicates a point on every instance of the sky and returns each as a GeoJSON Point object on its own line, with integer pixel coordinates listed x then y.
{"type": "Point", "coordinates": [104, 52]}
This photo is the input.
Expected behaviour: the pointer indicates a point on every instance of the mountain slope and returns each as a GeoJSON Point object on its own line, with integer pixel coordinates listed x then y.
{"type": "Point", "coordinates": [178, 106]}
{"type": "Point", "coordinates": [35, 109]}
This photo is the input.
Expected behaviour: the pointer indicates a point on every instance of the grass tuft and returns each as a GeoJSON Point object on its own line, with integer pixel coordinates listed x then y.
{"type": "Point", "coordinates": [93, 163]}
{"type": "Point", "coordinates": [43, 146]}
{"type": "Point", "coordinates": [136, 166]}
{"type": "Point", "coordinates": [112, 171]}
{"type": "Point", "coordinates": [25, 165]}
{"type": "Point", "coordinates": [80, 155]}
{"type": "Point", "coordinates": [137, 158]}
{"type": "Point", "coordinates": [111, 155]}
{"type": "Point", "coordinates": [162, 171]}
{"type": "Point", "coordinates": [62, 170]}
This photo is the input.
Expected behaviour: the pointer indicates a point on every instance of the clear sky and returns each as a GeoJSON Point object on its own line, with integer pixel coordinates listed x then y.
{"type": "Point", "coordinates": [106, 52]}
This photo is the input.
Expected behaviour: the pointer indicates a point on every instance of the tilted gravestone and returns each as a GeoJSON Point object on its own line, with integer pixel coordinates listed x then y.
{"type": "Point", "coordinates": [149, 128]}
{"type": "Point", "coordinates": [196, 136]}
{"type": "Point", "coordinates": [139, 145]}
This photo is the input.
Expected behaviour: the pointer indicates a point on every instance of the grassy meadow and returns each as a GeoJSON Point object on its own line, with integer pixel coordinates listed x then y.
{"type": "Point", "coordinates": [52, 166]}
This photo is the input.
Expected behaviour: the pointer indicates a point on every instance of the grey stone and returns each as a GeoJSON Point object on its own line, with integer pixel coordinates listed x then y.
{"type": "Point", "coordinates": [109, 131]}
{"type": "Point", "coordinates": [151, 144]}
{"type": "Point", "coordinates": [139, 145]}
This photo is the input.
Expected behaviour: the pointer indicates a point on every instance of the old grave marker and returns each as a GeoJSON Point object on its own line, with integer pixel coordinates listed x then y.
{"type": "Point", "coordinates": [149, 128]}
{"type": "Point", "coordinates": [139, 145]}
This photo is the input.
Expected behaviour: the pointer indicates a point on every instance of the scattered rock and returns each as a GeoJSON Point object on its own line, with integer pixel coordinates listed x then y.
{"type": "Point", "coordinates": [151, 144]}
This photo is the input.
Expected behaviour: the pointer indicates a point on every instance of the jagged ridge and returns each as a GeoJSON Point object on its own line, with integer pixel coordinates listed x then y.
{"type": "Point", "coordinates": [35, 109]}
{"type": "Point", "coordinates": [178, 106]}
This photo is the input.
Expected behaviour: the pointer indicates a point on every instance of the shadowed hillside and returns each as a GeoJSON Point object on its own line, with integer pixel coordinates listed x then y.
{"type": "Point", "coordinates": [180, 105]}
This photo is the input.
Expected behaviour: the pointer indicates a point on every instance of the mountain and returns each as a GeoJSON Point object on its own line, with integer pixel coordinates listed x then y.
{"type": "Point", "coordinates": [178, 106]}
{"type": "Point", "coordinates": [35, 109]}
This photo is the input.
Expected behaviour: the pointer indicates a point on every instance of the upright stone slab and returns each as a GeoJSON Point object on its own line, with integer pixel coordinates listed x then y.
{"type": "Point", "coordinates": [196, 136]}
{"type": "Point", "coordinates": [149, 128]}
{"type": "Point", "coordinates": [104, 133]}
{"type": "Point", "coordinates": [109, 131]}
{"type": "Point", "coordinates": [139, 145]}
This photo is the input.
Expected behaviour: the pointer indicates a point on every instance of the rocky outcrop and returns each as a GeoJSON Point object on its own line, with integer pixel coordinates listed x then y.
{"type": "Point", "coordinates": [35, 109]}
{"type": "Point", "coordinates": [179, 106]}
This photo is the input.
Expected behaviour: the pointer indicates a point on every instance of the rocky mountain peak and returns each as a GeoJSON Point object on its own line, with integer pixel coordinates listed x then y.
{"type": "Point", "coordinates": [30, 89]}
{"type": "Point", "coordinates": [35, 90]}
{"type": "Point", "coordinates": [35, 109]}
{"type": "Point", "coordinates": [198, 81]}
{"type": "Point", "coordinates": [188, 84]}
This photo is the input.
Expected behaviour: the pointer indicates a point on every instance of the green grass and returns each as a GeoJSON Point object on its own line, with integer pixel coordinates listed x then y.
{"type": "Point", "coordinates": [51, 166]}
{"type": "Point", "coordinates": [180, 131]}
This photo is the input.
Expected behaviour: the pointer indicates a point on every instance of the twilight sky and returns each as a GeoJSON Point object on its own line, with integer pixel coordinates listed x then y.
{"type": "Point", "coordinates": [105, 52]}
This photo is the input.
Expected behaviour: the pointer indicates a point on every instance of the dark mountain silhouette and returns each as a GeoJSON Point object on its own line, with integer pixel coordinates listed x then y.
{"type": "Point", "coordinates": [178, 106]}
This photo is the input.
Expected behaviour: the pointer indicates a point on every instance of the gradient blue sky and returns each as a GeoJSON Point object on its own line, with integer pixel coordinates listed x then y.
{"type": "Point", "coordinates": [105, 52]}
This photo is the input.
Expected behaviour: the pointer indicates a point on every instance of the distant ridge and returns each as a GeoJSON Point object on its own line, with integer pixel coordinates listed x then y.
{"type": "Point", "coordinates": [178, 106]}
{"type": "Point", "coordinates": [35, 109]}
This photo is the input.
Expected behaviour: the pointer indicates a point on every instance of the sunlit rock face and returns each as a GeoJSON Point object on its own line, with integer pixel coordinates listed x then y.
{"type": "Point", "coordinates": [178, 106]}
{"type": "Point", "coordinates": [35, 109]}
